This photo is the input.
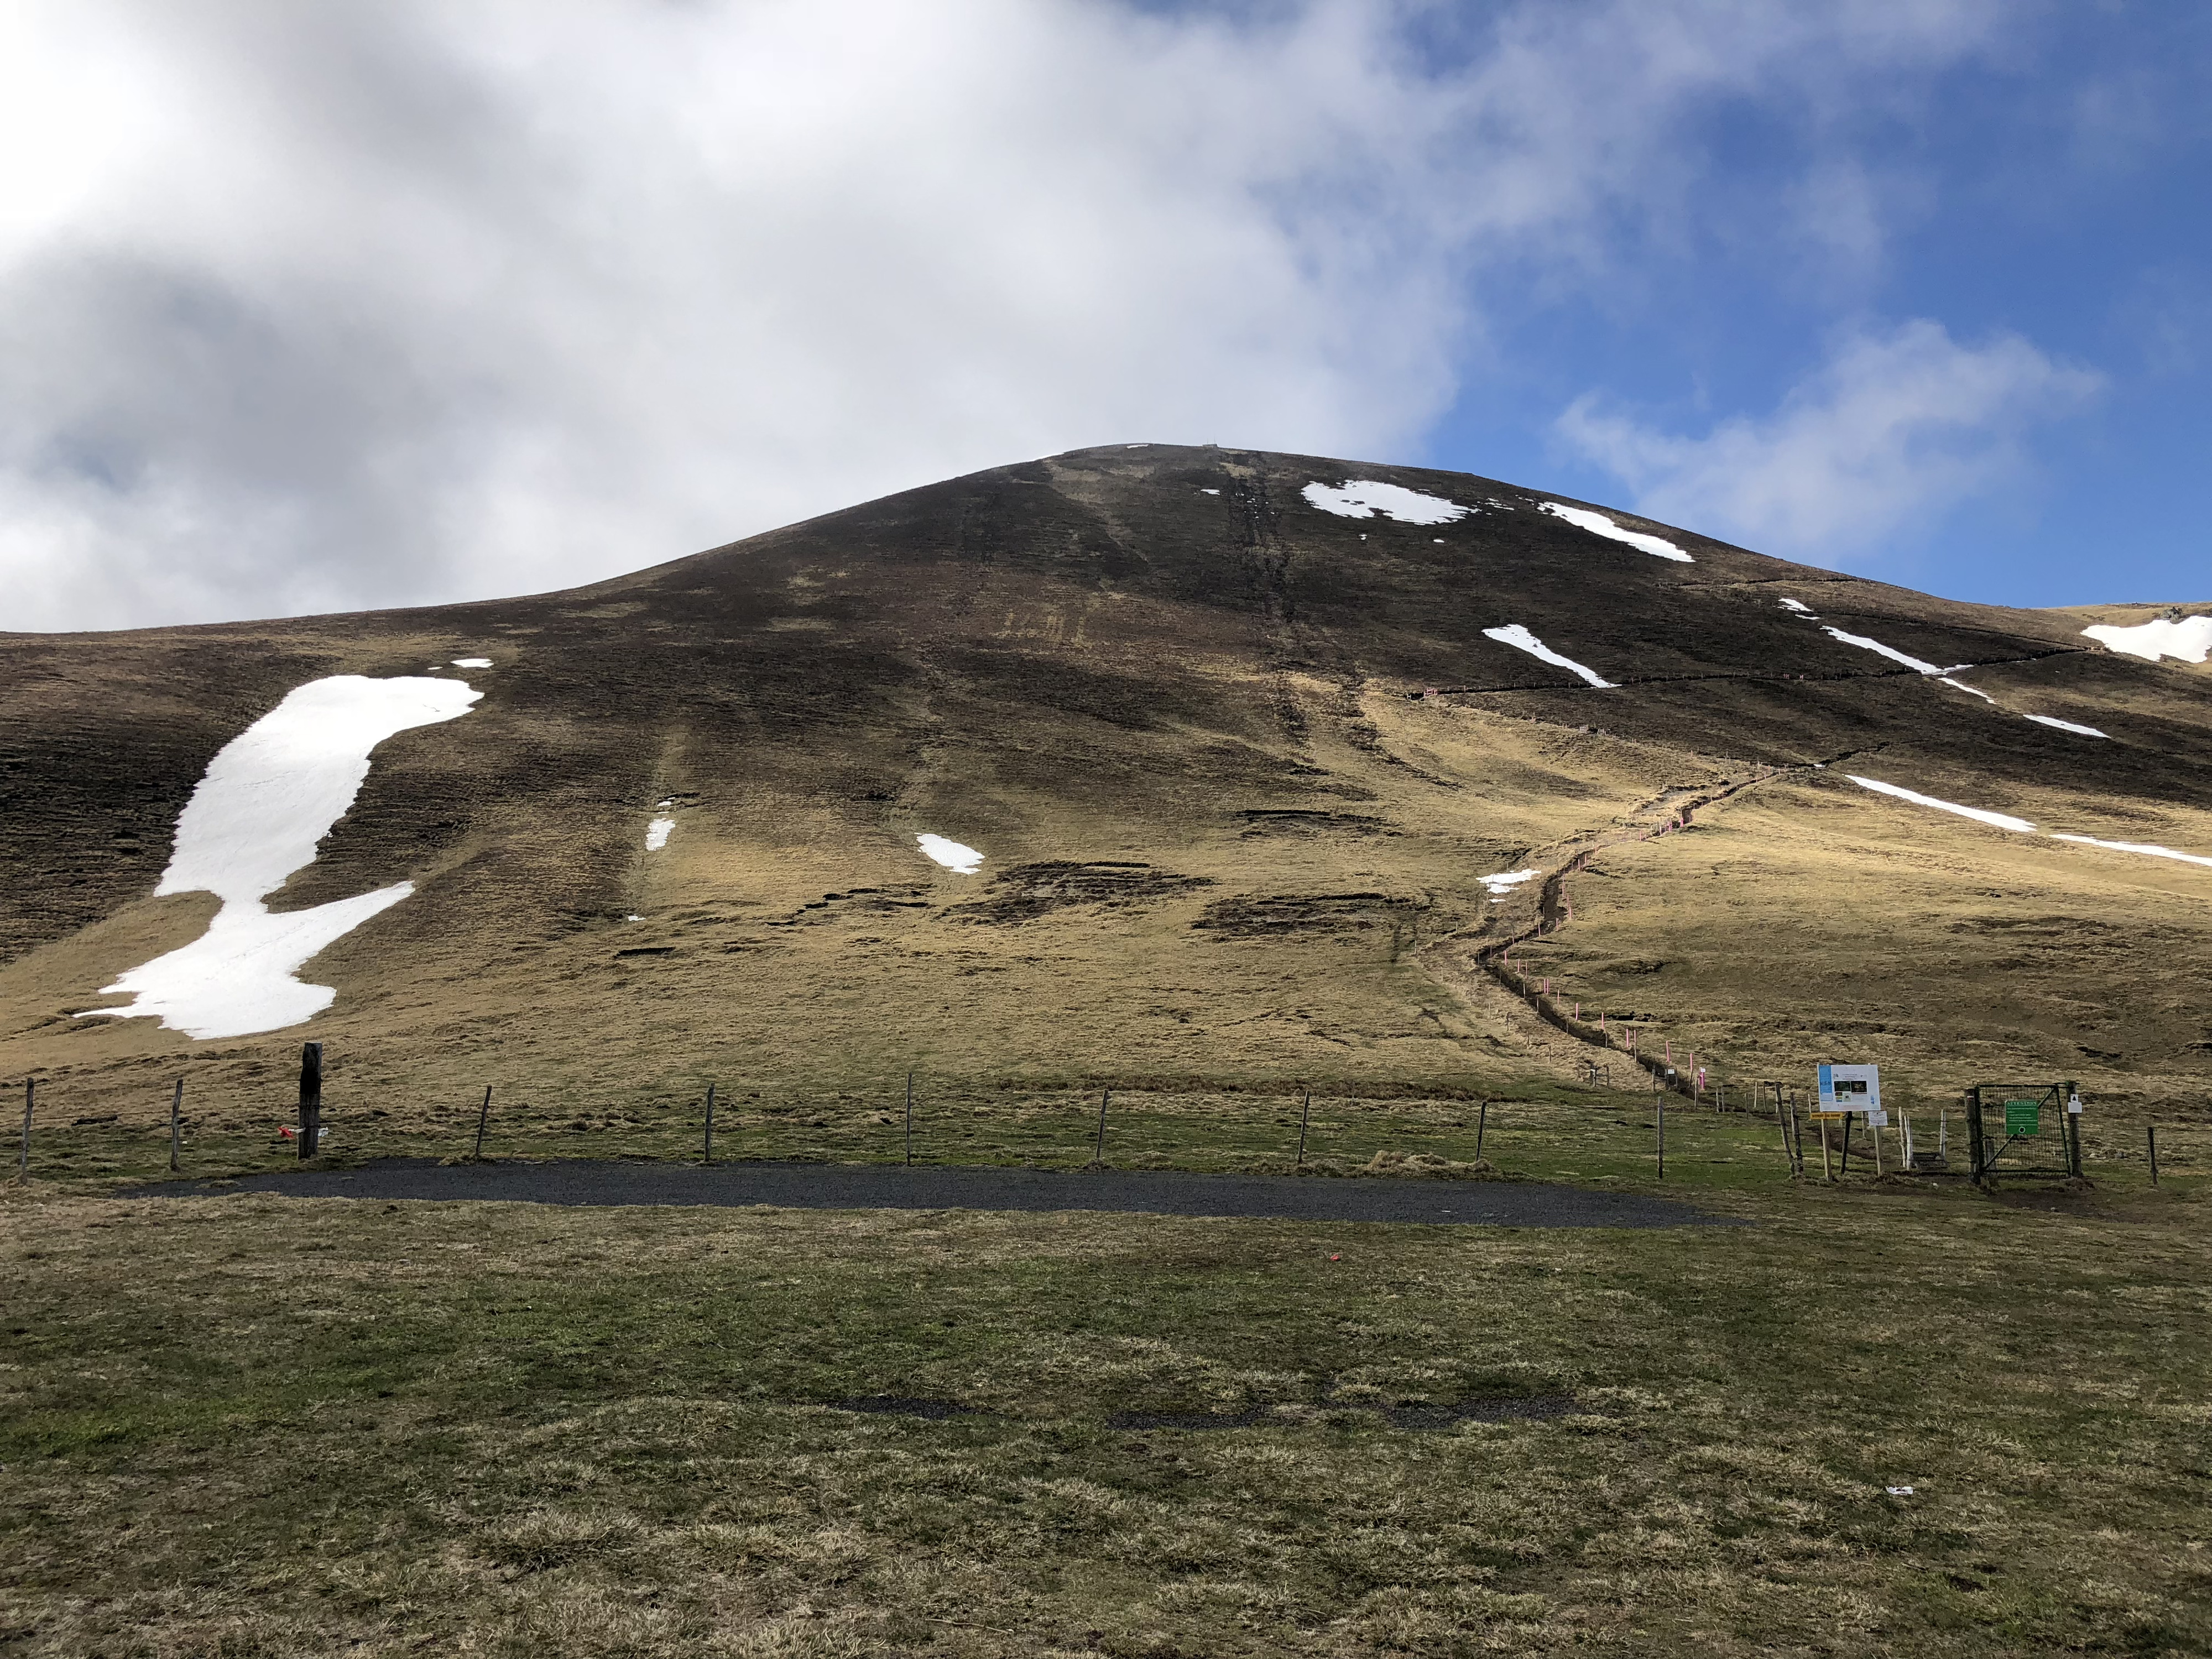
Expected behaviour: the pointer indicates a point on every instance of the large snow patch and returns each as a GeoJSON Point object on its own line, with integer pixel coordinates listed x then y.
{"type": "Point", "coordinates": [2190, 640]}
{"type": "Point", "coordinates": [269, 796]}
{"type": "Point", "coordinates": [1363, 498]}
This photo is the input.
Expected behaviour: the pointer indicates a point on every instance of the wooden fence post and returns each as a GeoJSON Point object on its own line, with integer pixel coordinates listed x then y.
{"type": "Point", "coordinates": [2150, 1137]}
{"type": "Point", "coordinates": [483, 1112]}
{"type": "Point", "coordinates": [1099, 1158]}
{"type": "Point", "coordinates": [1481, 1124]}
{"type": "Point", "coordinates": [710, 1156]}
{"type": "Point", "coordinates": [909, 1118]}
{"type": "Point", "coordinates": [1659, 1100]}
{"type": "Point", "coordinates": [1305, 1116]}
{"type": "Point", "coordinates": [311, 1099]}
{"type": "Point", "coordinates": [176, 1116]}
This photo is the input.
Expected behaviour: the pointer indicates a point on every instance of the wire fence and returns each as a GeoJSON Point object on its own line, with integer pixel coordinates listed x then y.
{"type": "Point", "coordinates": [1735, 1132]}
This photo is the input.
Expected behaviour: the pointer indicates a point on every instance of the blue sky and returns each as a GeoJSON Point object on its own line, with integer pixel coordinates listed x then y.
{"type": "Point", "coordinates": [320, 308]}
{"type": "Point", "coordinates": [2051, 188]}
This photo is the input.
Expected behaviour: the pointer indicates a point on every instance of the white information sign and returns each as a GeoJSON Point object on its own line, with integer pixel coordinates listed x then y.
{"type": "Point", "coordinates": [1853, 1088]}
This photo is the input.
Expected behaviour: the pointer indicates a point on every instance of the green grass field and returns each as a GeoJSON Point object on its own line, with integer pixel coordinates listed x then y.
{"type": "Point", "coordinates": [246, 1425]}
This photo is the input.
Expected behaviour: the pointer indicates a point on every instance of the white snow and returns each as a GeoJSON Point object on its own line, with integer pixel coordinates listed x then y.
{"type": "Point", "coordinates": [1522, 640]}
{"type": "Point", "coordinates": [2067, 725]}
{"type": "Point", "coordinates": [1960, 685]}
{"type": "Point", "coordinates": [2189, 640]}
{"type": "Point", "coordinates": [1503, 883]}
{"type": "Point", "coordinates": [1801, 610]}
{"type": "Point", "coordinates": [1363, 498]}
{"type": "Point", "coordinates": [1598, 524]}
{"type": "Point", "coordinates": [269, 796]}
{"type": "Point", "coordinates": [1209, 492]}
{"type": "Point", "coordinates": [1891, 652]}
{"type": "Point", "coordinates": [1999, 820]}
{"type": "Point", "coordinates": [951, 854]}
{"type": "Point", "coordinates": [656, 834]}
{"type": "Point", "coordinates": [472, 662]}
{"type": "Point", "coordinates": [2135, 847]}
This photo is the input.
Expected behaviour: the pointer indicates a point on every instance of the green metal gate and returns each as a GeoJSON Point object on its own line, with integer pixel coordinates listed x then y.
{"type": "Point", "coordinates": [2030, 1129]}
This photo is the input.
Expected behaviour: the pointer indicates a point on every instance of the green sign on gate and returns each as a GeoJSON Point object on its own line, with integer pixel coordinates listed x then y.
{"type": "Point", "coordinates": [2022, 1117]}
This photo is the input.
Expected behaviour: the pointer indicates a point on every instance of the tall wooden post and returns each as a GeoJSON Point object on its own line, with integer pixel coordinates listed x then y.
{"type": "Point", "coordinates": [1659, 1100]}
{"type": "Point", "coordinates": [2072, 1120]}
{"type": "Point", "coordinates": [1978, 1151]}
{"type": "Point", "coordinates": [1481, 1127]}
{"type": "Point", "coordinates": [1305, 1116]}
{"type": "Point", "coordinates": [2150, 1141]}
{"type": "Point", "coordinates": [484, 1114]}
{"type": "Point", "coordinates": [909, 1117]}
{"type": "Point", "coordinates": [311, 1099]}
{"type": "Point", "coordinates": [176, 1121]}
{"type": "Point", "coordinates": [1099, 1158]}
{"type": "Point", "coordinates": [710, 1156]}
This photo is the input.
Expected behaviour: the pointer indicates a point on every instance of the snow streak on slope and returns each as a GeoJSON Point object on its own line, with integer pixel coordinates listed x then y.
{"type": "Point", "coordinates": [1363, 498]}
{"type": "Point", "coordinates": [2066, 726]}
{"type": "Point", "coordinates": [2135, 847]}
{"type": "Point", "coordinates": [656, 834]}
{"type": "Point", "coordinates": [1891, 652]}
{"type": "Point", "coordinates": [1598, 524]}
{"type": "Point", "coordinates": [1522, 640]}
{"type": "Point", "coordinates": [1997, 820]}
{"type": "Point", "coordinates": [269, 796]}
{"type": "Point", "coordinates": [2190, 640]}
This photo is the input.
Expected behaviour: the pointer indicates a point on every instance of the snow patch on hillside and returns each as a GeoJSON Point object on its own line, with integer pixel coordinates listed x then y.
{"type": "Point", "coordinates": [2136, 847]}
{"type": "Point", "coordinates": [2067, 725]}
{"type": "Point", "coordinates": [269, 798]}
{"type": "Point", "coordinates": [656, 834]}
{"type": "Point", "coordinates": [1960, 685]}
{"type": "Point", "coordinates": [1800, 608]}
{"type": "Point", "coordinates": [472, 662]}
{"type": "Point", "coordinates": [1363, 498]}
{"type": "Point", "coordinates": [951, 854]}
{"type": "Point", "coordinates": [1598, 524]}
{"type": "Point", "coordinates": [2189, 640]}
{"type": "Point", "coordinates": [1522, 640]}
{"type": "Point", "coordinates": [1891, 652]}
{"type": "Point", "coordinates": [1996, 820]}
{"type": "Point", "coordinates": [1503, 883]}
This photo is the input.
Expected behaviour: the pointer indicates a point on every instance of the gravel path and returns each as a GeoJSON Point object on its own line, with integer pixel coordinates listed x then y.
{"type": "Point", "coordinates": [928, 1187]}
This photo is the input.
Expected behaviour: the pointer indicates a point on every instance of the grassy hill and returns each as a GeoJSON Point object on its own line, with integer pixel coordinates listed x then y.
{"type": "Point", "coordinates": [1236, 764]}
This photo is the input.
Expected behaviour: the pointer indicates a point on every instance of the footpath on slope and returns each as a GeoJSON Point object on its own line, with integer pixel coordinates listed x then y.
{"type": "Point", "coordinates": [1664, 814]}
{"type": "Point", "coordinates": [940, 1187]}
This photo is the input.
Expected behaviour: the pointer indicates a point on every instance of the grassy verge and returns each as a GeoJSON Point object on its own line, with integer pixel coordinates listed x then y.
{"type": "Point", "coordinates": [245, 1426]}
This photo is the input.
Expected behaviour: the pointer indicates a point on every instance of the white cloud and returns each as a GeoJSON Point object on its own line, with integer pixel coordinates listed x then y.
{"type": "Point", "coordinates": [311, 307]}
{"type": "Point", "coordinates": [1896, 428]}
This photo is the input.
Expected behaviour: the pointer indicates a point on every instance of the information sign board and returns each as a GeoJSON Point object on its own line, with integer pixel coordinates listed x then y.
{"type": "Point", "coordinates": [1851, 1088]}
{"type": "Point", "coordinates": [2023, 1117]}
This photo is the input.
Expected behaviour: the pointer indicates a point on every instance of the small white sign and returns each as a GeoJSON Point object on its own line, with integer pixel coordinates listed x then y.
{"type": "Point", "coordinates": [1851, 1088]}
{"type": "Point", "coordinates": [2073, 1103]}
